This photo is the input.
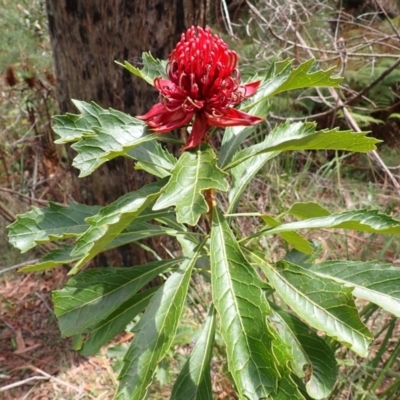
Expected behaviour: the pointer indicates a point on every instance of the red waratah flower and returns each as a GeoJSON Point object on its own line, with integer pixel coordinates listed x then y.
{"type": "Point", "coordinates": [203, 83]}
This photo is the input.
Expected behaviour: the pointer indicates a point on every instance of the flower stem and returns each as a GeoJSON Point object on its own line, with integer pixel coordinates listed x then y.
{"type": "Point", "coordinates": [210, 199]}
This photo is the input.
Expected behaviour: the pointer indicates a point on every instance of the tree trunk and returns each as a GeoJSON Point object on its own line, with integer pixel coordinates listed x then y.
{"type": "Point", "coordinates": [87, 37]}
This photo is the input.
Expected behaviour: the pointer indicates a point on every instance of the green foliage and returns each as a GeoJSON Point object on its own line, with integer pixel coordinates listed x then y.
{"type": "Point", "coordinates": [100, 135]}
{"type": "Point", "coordinates": [52, 223]}
{"type": "Point", "coordinates": [150, 68]}
{"type": "Point", "coordinates": [279, 321]}
{"type": "Point", "coordinates": [194, 381]}
{"type": "Point", "coordinates": [307, 349]}
{"type": "Point", "coordinates": [192, 174]}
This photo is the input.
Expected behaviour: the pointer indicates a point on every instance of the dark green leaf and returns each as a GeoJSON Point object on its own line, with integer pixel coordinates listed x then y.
{"type": "Point", "coordinates": [155, 333]}
{"type": "Point", "coordinates": [112, 220]}
{"type": "Point", "coordinates": [194, 172]}
{"type": "Point", "coordinates": [307, 348]}
{"type": "Point", "coordinates": [288, 390]}
{"type": "Point", "coordinates": [295, 239]}
{"type": "Point", "coordinates": [53, 259]}
{"type": "Point", "coordinates": [378, 283]}
{"type": "Point", "coordinates": [325, 304]}
{"type": "Point", "coordinates": [194, 381]}
{"type": "Point", "coordinates": [88, 298]}
{"type": "Point", "coordinates": [116, 322]}
{"type": "Point", "coordinates": [136, 232]}
{"type": "Point", "coordinates": [252, 345]}
{"type": "Point", "coordinates": [41, 225]}
{"type": "Point", "coordinates": [153, 158]}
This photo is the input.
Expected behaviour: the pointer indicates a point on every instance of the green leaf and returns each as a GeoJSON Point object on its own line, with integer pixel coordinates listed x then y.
{"type": "Point", "coordinates": [139, 229]}
{"type": "Point", "coordinates": [234, 136]}
{"type": "Point", "coordinates": [251, 343]}
{"type": "Point", "coordinates": [101, 135]}
{"type": "Point", "coordinates": [307, 348]}
{"type": "Point", "coordinates": [194, 381]}
{"type": "Point", "coordinates": [194, 172]}
{"type": "Point", "coordinates": [308, 210]}
{"type": "Point", "coordinates": [72, 127]}
{"type": "Point", "coordinates": [288, 389]}
{"type": "Point", "coordinates": [243, 173]}
{"type": "Point", "coordinates": [295, 239]}
{"type": "Point", "coordinates": [304, 76]}
{"type": "Point", "coordinates": [116, 322]}
{"type": "Point", "coordinates": [378, 283]}
{"type": "Point", "coordinates": [151, 68]}
{"type": "Point", "coordinates": [53, 259]}
{"type": "Point", "coordinates": [394, 115]}
{"type": "Point", "coordinates": [41, 225]}
{"type": "Point", "coordinates": [111, 221]}
{"type": "Point", "coordinates": [136, 232]}
{"type": "Point", "coordinates": [361, 220]}
{"type": "Point", "coordinates": [303, 136]}
{"type": "Point", "coordinates": [88, 298]}
{"type": "Point", "coordinates": [323, 303]}
{"type": "Point", "coordinates": [153, 158]}
{"type": "Point", "coordinates": [155, 333]}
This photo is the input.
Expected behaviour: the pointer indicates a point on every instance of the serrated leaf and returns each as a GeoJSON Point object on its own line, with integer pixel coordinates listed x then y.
{"type": "Point", "coordinates": [111, 221]}
{"type": "Point", "coordinates": [155, 333]}
{"type": "Point", "coordinates": [153, 158]}
{"type": "Point", "coordinates": [116, 322]}
{"type": "Point", "coordinates": [242, 308]}
{"type": "Point", "coordinates": [150, 68]}
{"type": "Point", "coordinates": [101, 135]}
{"type": "Point", "coordinates": [195, 172]}
{"type": "Point", "coordinates": [295, 239]}
{"type": "Point", "coordinates": [53, 259]}
{"type": "Point", "coordinates": [323, 303]}
{"type": "Point", "coordinates": [378, 283]}
{"type": "Point", "coordinates": [88, 298]}
{"type": "Point", "coordinates": [304, 76]}
{"type": "Point", "coordinates": [194, 381]}
{"type": "Point", "coordinates": [41, 225]}
{"type": "Point", "coordinates": [307, 348]}
{"type": "Point", "coordinates": [72, 127]}
{"type": "Point", "coordinates": [360, 220]}
{"type": "Point", "coordinates": [303, 136]}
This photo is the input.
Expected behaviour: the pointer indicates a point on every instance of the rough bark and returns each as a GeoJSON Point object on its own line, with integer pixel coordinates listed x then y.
{"type": "Point", "coordinates": [87, 36]}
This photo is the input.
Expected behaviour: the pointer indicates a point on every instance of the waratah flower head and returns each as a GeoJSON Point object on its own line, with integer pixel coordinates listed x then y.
{"type": "Point", "coordinates": [203, 85]}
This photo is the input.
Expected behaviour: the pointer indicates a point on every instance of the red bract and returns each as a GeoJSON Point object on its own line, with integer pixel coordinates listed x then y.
{"type": "Point", "coordinates": [203, 83]}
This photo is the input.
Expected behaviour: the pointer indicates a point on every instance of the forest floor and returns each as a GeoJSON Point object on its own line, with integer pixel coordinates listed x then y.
{"type": "Point", "coordinates": [34, 358]}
